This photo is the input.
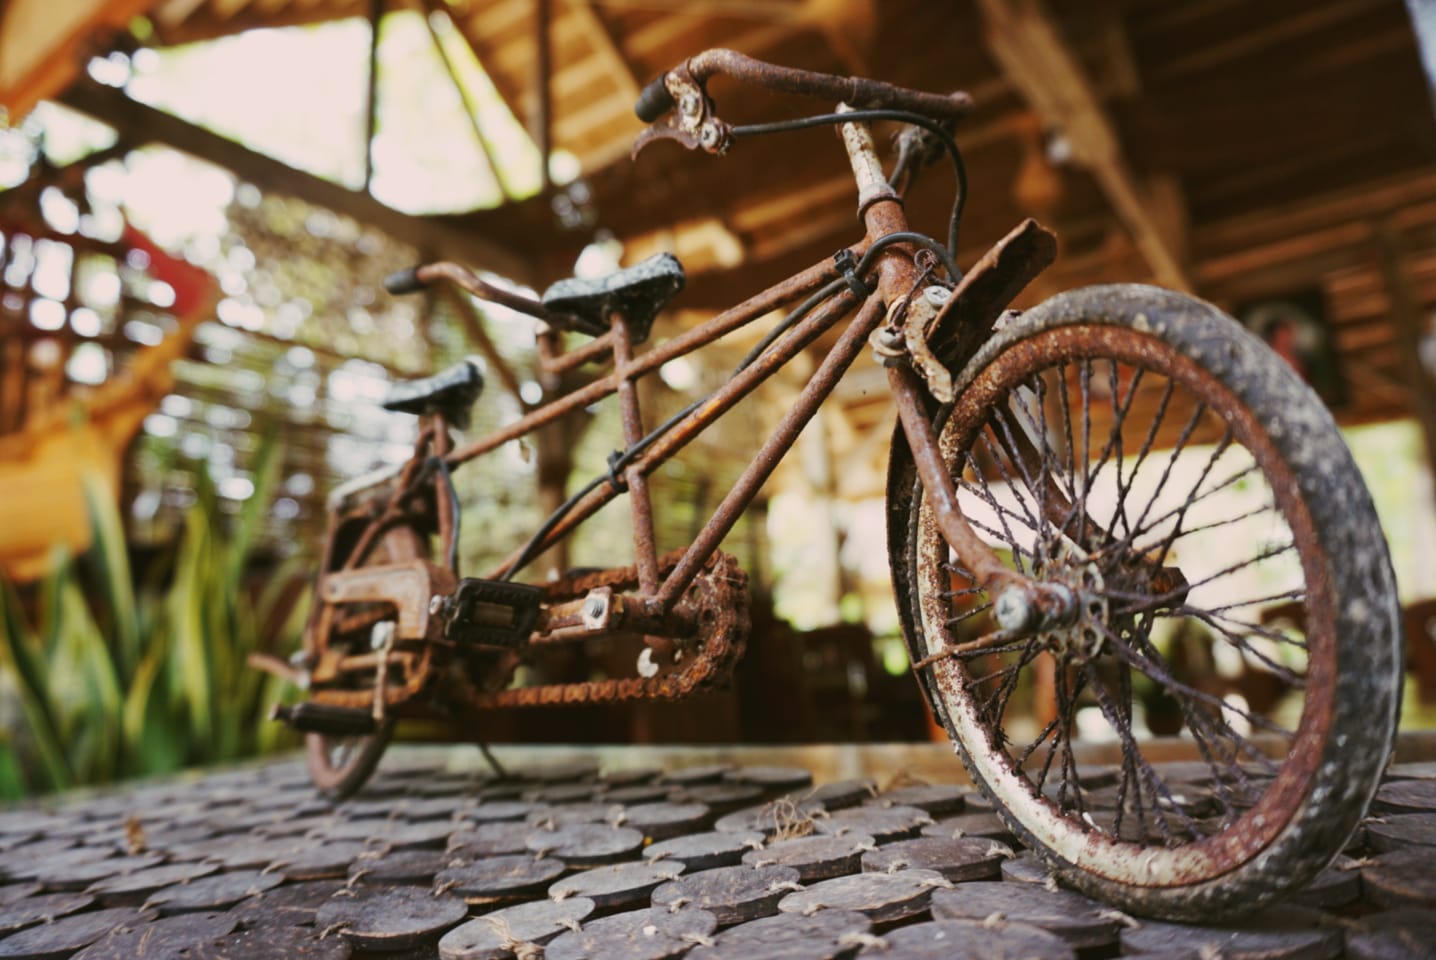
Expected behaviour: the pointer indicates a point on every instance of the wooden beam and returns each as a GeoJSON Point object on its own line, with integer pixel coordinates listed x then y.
{"type": "Point", "coordinates": [1026, 42]}
{"type": "Point", "coordinates": [173, 12]}
{"type": "Point", "coordinates": [1278, 223]}
{"type": "Point", "coordinates": [757, 9]}
{"type": "Point", "coordinates": [140, 123]}
{"type": "Point", "coordinates": [44, 45]}
{"type": "Point", "coordinates": [542, 121]}
{"type": "Point", "coordinates": [1247, 43]}
{"type": "Point", "coordinates": [428, 10]}
{"type": "Point", "coordinates": [606, 49]}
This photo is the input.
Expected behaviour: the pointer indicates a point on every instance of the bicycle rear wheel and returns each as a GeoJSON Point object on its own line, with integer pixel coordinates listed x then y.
{"type": "Point", "coordinates": [339, 766]}
{"type": "Point", "coordinates": [1139, 447]}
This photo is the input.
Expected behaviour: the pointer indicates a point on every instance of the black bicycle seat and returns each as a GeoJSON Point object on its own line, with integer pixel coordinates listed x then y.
{"type": "Point", "coordinates": [450, 392]}
{"type": "Point", "coordinates": [638, 293]}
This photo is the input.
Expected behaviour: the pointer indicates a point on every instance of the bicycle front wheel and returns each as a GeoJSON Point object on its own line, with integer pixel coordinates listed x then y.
{"type": "Point", "coordinates": [1140, 448]}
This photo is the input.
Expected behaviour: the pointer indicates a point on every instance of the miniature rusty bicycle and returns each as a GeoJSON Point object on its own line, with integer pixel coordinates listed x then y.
{"type": "Point", "coordinates": [1120, 494]}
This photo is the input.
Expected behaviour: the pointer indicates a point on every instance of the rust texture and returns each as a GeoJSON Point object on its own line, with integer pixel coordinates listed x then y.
{"type": "Point", "coordinates": [718, 596]}
{"type": "Point", "coordinates": [855, 91]}
{"type": "Point", "coordinates": [633, 476]}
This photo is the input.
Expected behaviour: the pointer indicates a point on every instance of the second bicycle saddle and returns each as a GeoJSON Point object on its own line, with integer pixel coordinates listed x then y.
{"type": "Point", "coordinates": [638, 293]}
{"type": "Point", "coordinates": [450, 392]}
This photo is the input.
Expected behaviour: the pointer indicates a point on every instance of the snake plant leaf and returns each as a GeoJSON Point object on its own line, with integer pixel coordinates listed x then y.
{"type": "Point", "coordinates": [250, 520]}
{"type": "Point", "coordinates": [104, 699]}
{"type": "Point", "coordinates": [109, 558]}
{"type": "Point", "coordinates": [12, 774]}
{"type": "Point", "coordinates": [190, 618]}
{"type": "Point", "coordinates": [153, 742]}
{"type": "Point", "coordinates": [20, 658]}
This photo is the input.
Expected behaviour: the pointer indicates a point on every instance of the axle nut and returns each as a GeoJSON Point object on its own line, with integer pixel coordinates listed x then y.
{"type": "Point", "coordinates": [1013, 610]}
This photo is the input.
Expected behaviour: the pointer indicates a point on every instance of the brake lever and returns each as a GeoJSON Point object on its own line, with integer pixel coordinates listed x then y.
{"type": "Point", "coordinates": [692, 121]}
{"type": "Point", "coordinates": [664, 129]}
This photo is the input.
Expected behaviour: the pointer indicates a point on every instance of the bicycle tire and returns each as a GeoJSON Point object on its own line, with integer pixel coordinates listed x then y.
{"type": "Point", "coordinates": [1284, 830]}
{"type": "Point", "coordinates": [340, 766]}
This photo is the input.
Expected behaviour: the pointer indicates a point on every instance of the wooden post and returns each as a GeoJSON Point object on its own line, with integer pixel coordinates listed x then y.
{"type": "Point", "coordinates": [543, 90]}
{"type": "Point", "coordinates": [1406, 317]}
{"type": "Point", "coordinates": [371, 102]}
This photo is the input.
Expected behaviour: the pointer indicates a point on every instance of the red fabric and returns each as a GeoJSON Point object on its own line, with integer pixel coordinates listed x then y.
{"type": "Point", "coordinates": [192, 285]}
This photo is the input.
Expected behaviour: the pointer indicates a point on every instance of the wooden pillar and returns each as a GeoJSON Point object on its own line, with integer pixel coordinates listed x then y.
{"type": "Point", "coordinates": [371, 102]}
{"type": "Point", "coordinates": [1410, 323]}
{"type": "Point", "coordinates": [543, 89]}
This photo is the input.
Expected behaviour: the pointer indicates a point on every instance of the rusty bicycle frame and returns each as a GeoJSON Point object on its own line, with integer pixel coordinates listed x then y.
{"type": "Point", "coordinates": [893, 314]}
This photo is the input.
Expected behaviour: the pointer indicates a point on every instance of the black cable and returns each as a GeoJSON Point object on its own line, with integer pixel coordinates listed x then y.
{"type": "Point", "coordinates": [882, 244]}
{"type": "Point", "coordinates": [932, 126]}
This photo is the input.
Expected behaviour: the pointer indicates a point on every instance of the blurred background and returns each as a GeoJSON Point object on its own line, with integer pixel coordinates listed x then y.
{"type": "Point", "coordinates": [199, 198]}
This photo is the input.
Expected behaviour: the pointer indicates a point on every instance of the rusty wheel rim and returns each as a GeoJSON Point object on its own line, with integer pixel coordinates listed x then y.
{"type": "Point", "coordinates": [1060, 822]}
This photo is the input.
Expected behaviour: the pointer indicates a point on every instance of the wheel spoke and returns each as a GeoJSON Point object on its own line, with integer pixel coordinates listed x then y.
{"type": "Point", "coordinates": [1147, 662]}
{"type": "Point", "coordinates": [1171, 503]}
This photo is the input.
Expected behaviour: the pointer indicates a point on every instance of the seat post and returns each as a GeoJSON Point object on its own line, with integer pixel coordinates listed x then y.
{"type": "Point", "coordinates": [633, 476]}
{"type": "Point", "coordinates": [444, 503]}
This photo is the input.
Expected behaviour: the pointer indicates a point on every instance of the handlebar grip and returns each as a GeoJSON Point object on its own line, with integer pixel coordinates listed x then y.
{"type": "Point", "coordinates": [404, 281]}
{"type": "Point", "coordinates": [654, 100]}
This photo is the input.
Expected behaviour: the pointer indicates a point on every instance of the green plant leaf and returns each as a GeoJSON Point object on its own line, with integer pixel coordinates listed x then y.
{"type": "Point", "coordinates": [250, 520]}
{"type": "Point", "coordinates": [12, 772]}
{"type": "Point", "coordinates": [104, 704]}
{"type": "Point", "coordinates": [191, 607]}
{"type": "Point", "coordinates": [109, 558]}
{"type": "Point", "coordinates": [153, 743]}
{"type": "Point", "coordinates": [30, 671]}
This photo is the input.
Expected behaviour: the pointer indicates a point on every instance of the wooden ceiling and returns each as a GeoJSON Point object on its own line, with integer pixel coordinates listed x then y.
{"type": "Point", "coordinates": [1235, 149]}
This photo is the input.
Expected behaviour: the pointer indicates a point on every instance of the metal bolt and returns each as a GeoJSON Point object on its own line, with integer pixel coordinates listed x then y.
{"type": "Point", "coordinates": [689, 104]}
{"type": "Point", "coordinates": [708, 136]}
{"type": "Point", "coordinates": [595, 611]}
{"type": "Point", "coordinates": [1014, 610]}
{"type": "Point", "coordinates": [936, 296]}
{"type": "Point", "coordinates": [381, 634]}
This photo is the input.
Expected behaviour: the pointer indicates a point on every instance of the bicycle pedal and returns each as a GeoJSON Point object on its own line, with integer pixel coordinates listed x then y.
{"type": "Point", "coordinates": [311, 717]}
{"type": "Point", "coordinates": [493, 613]}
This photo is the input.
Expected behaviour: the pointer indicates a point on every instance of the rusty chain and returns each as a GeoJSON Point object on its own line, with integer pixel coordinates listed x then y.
{"type": "Point", "coordinates": [719, 595]}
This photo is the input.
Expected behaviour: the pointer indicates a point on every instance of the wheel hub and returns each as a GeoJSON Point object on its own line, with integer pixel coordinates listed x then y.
{"type": "Point", "coordinates": [1081, 638]}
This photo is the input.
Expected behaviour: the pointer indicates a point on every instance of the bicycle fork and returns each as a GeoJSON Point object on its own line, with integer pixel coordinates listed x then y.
{"type": "Point", "coordinates": [1021, 605]}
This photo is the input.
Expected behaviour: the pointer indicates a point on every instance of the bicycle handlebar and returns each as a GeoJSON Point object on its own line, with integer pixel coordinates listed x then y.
{"type": "Point", "coordinates": [656, 99]}
{"type": "Point", "coordinates": [414, 279]}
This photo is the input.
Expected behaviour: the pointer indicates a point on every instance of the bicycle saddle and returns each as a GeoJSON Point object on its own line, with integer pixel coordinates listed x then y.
{"type": "Point", "coordinates": [638, 293]}
{"type": "Point", "coordinates": [451, 392]}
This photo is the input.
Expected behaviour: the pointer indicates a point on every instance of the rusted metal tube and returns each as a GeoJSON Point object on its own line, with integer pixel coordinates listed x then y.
{"type": "Point", "coordinates": [646, 553]}
{"type": "Point", "coordinates": [554, 362]}
{"type": "Point", "coordinates": [749, 310]}
{"type": "Point", "coordinates": [824, 379]}
{"type": "Point", "coordinates": [723, 399]}
{"type": "Point", "coordinates": [858, 91]}
{"type": "Point", "coordinates": [466, 279]}
{"type": "Point", "coordinates": [937, 487]}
